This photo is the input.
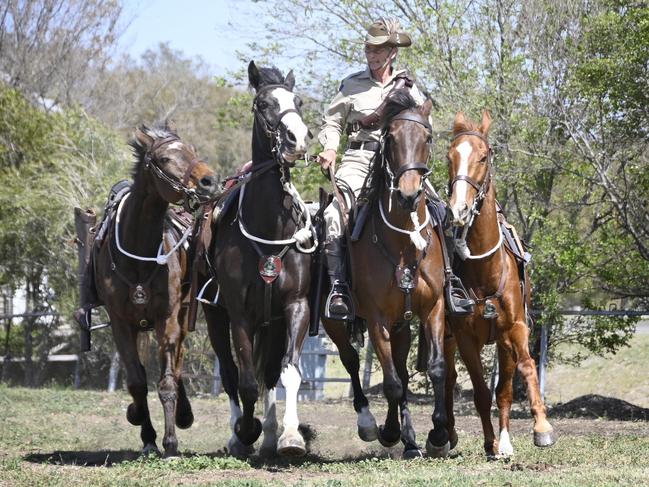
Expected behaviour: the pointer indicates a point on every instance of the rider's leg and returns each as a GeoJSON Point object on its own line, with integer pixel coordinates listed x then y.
{"type": "Point", "coordinates": [351, 175]}
{"type": "Point", "coordinates": [84, 221]}
{"type": "Point", "coordinates": [458, 301]}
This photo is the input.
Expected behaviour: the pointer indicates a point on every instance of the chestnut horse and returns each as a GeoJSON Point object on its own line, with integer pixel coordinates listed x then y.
{"type": "Point", "coordinates": [397, 269]}
{"type": "Point", "coordinates": [501, 289]}
{"type": "Point", "coordinates": [261, 256]}
{"type": "Point", "coordinates": [139, 269]}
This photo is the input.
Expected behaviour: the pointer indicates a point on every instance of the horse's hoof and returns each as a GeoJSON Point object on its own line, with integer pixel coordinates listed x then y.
{"type": "Point", "coordinates": [544, 439]}
{"type": "Point", "coordinates": [412, 454]}
{"type": "Point", "coordinates": [437, 451]}
{"type": "Point", "coordinates": [387, 442]}
{"type": "Point", "coordinates": [291, 445]}
{"type": "Point", "coordinates": [132, 415]}
{"type": "Point", "coordinates": [248, 437]}
{"type": "Point", "coordinates": [238, 449]}
{"type": "Point", "coordinates": [171, 456]}
{"type": "Point", "coordinates": [368, 433]}
{"type": "Point", "coordinates": [184, 421]}
{"type": "Point", "coordinates": [151, 449]}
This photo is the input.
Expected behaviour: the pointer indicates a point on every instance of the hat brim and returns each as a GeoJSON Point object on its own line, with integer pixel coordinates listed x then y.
{"type": "Point", "coordinates": [398, 39]}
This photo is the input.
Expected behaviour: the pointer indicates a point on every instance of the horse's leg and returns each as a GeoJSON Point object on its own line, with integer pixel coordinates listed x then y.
{"type": "Point", "coordinates": [400, 342]}
{"type": "Point", "coordinates": [505, 396]}
{"type": "Point", "coordinates": [269, 425]}
{"type": "Point", "coordinates": [138, 411]}
{"type": "Point", "coordinates": [218, 328]}
{"type": "Point", "coordinates": [470, 353]}
{"type": "Point", "coordinates": [389, 433]}
{"type": "Point", "coordinates": [297, 320]}
{"type": "Point", "coordinates": [247, 427]}
{"type": "Point", "coordinates": [184, 414]}
{"type": "Point", "coordinates": [518, 337]}
{"type": "Point", "coordinates": [367, 428]}
{"type": "Point", "coordinates": [437, 444]}
{"type": "Point", "coordinates": [170, 338]}
{"type": "Point", "coordinates": [450, 347]}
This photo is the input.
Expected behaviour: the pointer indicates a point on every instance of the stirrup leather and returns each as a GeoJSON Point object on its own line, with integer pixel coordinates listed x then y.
{"type": "Point", "coordinates": [458, 301]}
{"type": "Point", "coordinates": [340, 289]}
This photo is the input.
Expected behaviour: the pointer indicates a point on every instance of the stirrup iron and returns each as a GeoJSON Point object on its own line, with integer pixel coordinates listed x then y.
{"type": "Point", "coordinates": [458, 301]}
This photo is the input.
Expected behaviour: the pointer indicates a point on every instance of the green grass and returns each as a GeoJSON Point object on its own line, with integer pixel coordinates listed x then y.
{"type": "Point", "coordinates": [607, 376]}
{"type": "Point", "coordinates": [64, 437]}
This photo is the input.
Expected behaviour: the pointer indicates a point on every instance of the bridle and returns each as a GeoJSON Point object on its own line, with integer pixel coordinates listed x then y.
{"type": "Point", "coordinates": [191, 199]}
{"type": "Point", "coordinates": [459, 236]}
{"type": "Point", "coordinates": [272, 130]}
{"type": "Point", "coordinates": [393, 177]}
{"type": "Point", "coordinates": [481, 189]}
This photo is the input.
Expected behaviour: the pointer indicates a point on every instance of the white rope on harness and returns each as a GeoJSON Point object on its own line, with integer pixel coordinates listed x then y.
{"type": "Point", "coordinates": [161, 258]}
{"type": "Point", "coordinates": [465, 253]}
{"type": "Point", "coordinates": [301, 237]}
{"type": "Point", "coordinates": [415, 234]}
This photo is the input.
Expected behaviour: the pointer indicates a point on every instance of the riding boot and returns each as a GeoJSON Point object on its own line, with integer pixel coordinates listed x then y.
{"type": "Point", "coordinates": [84, 221]}
{"type": "Point", "coordinates": [339, 302]}
{"type": "Point", "coordinates": [458, 301]}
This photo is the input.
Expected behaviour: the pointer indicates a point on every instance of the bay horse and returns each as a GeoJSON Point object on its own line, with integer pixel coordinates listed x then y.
{"type": "Point", "coordinates": [500, 286]}
{"type": "Point", "coordinates": [139, 269]}
{"type": "Point", "coordinates": [397, 269]}
{"type": "Point", "coordinates": [261, 256]}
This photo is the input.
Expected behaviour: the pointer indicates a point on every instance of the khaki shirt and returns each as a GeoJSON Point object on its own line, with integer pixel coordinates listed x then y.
{"type": "Point", "coordinates": [358, 96]}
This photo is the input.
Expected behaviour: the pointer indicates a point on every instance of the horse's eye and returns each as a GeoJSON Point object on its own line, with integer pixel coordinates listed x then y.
{"type": "Point", "coordinates": [298, 102]}
{"type": "Point", "coordinates": [262, 105]}
{"type": "Point", "coordinates": [163, 160]}
{"type": "Point", "coordinates": [484, 159]}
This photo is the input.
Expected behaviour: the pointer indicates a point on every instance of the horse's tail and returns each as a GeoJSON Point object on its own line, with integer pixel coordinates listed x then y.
{"type": "Point", "coordinates": [143, 347]}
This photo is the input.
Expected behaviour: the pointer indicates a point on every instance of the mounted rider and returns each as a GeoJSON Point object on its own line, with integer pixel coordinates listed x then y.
{"type": "Point", "coordinates": [356, 109]}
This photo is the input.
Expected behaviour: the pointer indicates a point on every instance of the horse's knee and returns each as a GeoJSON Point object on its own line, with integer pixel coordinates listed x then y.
{"type": "Point", "coordinates": [526, 367]}
{"type": "Point", "coordinates": [437, 370]}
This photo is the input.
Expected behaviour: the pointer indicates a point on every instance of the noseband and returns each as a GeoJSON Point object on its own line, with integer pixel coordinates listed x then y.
{"type": "Point", "coordinates": [422, 167]}
{"type": "Point", "coordinates": [191, 199]}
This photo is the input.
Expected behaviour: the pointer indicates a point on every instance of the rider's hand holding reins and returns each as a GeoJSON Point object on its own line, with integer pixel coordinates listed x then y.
{"type": "Point", "coordinates": [326, 158]}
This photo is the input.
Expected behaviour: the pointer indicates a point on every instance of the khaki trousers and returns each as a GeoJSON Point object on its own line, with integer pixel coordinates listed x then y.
{"type": "Point", "coordinates": [354, 167]}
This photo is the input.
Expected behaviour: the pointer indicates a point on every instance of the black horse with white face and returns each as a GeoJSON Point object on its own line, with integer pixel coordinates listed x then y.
{"type": "Point", "coordinates": [261, 253]}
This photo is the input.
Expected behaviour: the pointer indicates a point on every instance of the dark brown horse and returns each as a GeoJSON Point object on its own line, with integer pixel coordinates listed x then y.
{"type": "Point", "coordinates": [397, 270]}
{"type": "Point", "coordinates": [501, 288]}
{"type": "Point", "coordinates": [139, 269]}
{"type": "Point", "coordinates": [261, 256]}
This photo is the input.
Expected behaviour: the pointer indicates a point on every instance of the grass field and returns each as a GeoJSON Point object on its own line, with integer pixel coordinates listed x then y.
{"type": "Point", "coordinates": [63, 437]}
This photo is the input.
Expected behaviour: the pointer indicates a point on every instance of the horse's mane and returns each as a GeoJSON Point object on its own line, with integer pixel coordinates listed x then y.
{"type": "Point", "coordinates": [398, 101]}
{"type": "Point", "coordinates": [270, 76]}
{"type": "Point", "coordinates": [158, 131]}
{"type": "Point", "coordinates": [463, 124]}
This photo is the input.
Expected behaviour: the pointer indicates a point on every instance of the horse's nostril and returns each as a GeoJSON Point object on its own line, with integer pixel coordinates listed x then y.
{"type": "Point", "coordinates": [206, 182]}
{"type": "Point", "coordinates": [290, 137]}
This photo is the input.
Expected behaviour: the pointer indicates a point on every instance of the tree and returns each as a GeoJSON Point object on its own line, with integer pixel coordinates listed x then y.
{"type": "Point", "coordinates": [48, 48]}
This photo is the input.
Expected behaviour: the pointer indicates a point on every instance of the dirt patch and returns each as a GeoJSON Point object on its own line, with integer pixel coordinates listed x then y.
{"type": "Point", "coordinates": [594, 406]}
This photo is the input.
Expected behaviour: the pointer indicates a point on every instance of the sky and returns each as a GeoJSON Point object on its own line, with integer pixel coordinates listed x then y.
{"type": "Point", "coordinates": [212, 29]}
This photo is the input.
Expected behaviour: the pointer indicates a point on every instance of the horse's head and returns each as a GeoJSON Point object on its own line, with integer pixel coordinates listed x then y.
{"type": "Point", "coordinates": [173, 166]}
{"type": "Point", "coordinates": [469, 167]}
{"type": "Point", "coordinates": [277, 111]}
{"type": "Point", "coordinates": [407, 147]}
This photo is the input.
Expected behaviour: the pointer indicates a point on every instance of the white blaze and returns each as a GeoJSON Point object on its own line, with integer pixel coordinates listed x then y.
{"type": "Point", "coordinates": [460, 189]}
{"type": "Point", "coordinates": [291, 120]}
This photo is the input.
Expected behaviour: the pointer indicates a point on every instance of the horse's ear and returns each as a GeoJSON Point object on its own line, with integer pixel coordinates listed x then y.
{"type": "Point", "coordinates": [142, 138]}
{"type": "Point", "coordinates": [459, 123]}
{"type": "Point", "coordinates": [289, 81]}
{"type": "Point", "coordinates": [426, 108]}
{"type": "Point", "coordinates": [253, 75]}
{"type": "Point", "coordinates": [486, 122]}
{"type": "Point", "coordinates": [170, 126]}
